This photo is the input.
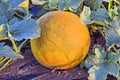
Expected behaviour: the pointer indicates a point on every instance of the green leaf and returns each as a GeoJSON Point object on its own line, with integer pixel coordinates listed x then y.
{"type": "Point", "coordinates": [8, 52]}
{"type": "Point", "coordinates": [61, 4]}
{"type": "Point", "coordinates": [9, 14]}
{"type": "Point", "coordinates": [88, 16]}
{"type": "Point", "coordinates": [112, 32]}
{"type": "Point", "coordinates": [100, 15]}
{"type": "Point", "coordinates": [5, 13]}
{"type": "Point", "coordinates": [93, 4]}
{"type": "Point", "coordinates": [53, 3]}
{"type": "Point", "coordinates": [14, 3]}
{"type": "Point", "coordinates": [102, 63]}
{"type": "Point", "coordinates": [113, 11]}
{"type": "Point", "coordinates": [85, 15]}
{"type": "Point", "coordinates": [65, 3]}
{"type": "Point", "coordinates": [24, 29]}
{"type": "Point", "coordinates": [2, 9]}
{"type": "Point", "coordinates": [3, 30]}
{"type": "Point", "coordinates": [12, 21]}
{"type": "Point", "coordinates": [3, 20]}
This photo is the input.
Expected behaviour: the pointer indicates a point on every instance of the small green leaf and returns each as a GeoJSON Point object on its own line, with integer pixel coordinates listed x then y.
{"type": "Point", "coordinates": [100, 15]}
{"type": "Point", "coordinates": [102, 63]}
{"type": "Point", "coordinates": [85, 15]}
{"type": "Point", "coordinates": [53, 3]}
{"type": "Point", "coordinates": [8, 52]}
{"type": "Point", "coordinates": [113, 11]}
{"type": "Point", "coordinates": [112, 32]}
{"type": "Point", "coordinates": [3, 31]}
{"type": "Point", "coordinates": [67, 3]}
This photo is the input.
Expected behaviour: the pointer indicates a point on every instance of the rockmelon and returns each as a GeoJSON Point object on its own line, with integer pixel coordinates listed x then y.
{"type": "Point", "coordinates": [64, 40]}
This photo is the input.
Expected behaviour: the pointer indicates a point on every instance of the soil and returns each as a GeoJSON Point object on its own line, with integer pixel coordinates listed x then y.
{"type": "Point", "coordinates": [29, 69]}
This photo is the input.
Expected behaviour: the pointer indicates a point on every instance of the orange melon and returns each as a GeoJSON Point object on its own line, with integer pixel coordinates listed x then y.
{"type": "Point", "coordinates": [64, 40]}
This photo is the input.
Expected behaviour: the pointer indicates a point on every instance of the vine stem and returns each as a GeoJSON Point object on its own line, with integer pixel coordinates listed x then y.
{"type": "Point", "coordinates": [18, 14]}
{"type": "Point", "coordinates": [110, 47]}
{"type": "Point", "coordinates": [21, 45]}
{"type": "Point", "coordinates": [113, 47]}
{"type": "Point", "coordinates": [110, 5]}
{"type": "Point", "coordinates": [15, 46]}
{"type": "Point", "coordinates": [102, 33]}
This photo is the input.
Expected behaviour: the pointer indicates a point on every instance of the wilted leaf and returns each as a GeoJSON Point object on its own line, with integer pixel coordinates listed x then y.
{"type": "Point", "coordinates": [25, 4]}
{"type": "Point", "coordinates": [8, 52]}
{"type": "Point", "coordinates": [24, 29]}
{"type": "Point", "coordinates": [103, 63]}
{"type": "Point", "coordinates": [39, 2]}
{"type": "Point", "coordinates": [112, 32]}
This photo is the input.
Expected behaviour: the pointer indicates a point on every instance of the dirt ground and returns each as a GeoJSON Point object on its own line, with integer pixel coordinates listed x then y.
{"type": "Point", "coordinates": [29, 69]}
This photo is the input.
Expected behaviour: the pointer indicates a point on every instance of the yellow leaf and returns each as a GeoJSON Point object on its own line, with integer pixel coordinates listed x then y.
{"type": "Point", "coordinates": [25, 4]}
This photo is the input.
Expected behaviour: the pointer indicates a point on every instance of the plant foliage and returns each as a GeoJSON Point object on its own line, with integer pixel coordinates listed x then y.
{"type": "Point", "coordinates": [102, 63]}
{"type": "Point", "coordinates": [16, 24]}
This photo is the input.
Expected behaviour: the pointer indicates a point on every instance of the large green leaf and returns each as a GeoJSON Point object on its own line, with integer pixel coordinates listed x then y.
{"type": "Point", "coordinates": [98, 17]}
{"type": "Point", "coordinates": [112, 32]}
{"type": "Point", "coordinates": [102, 63]}
{"type": "Point", "coordinates": [24, 29]}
